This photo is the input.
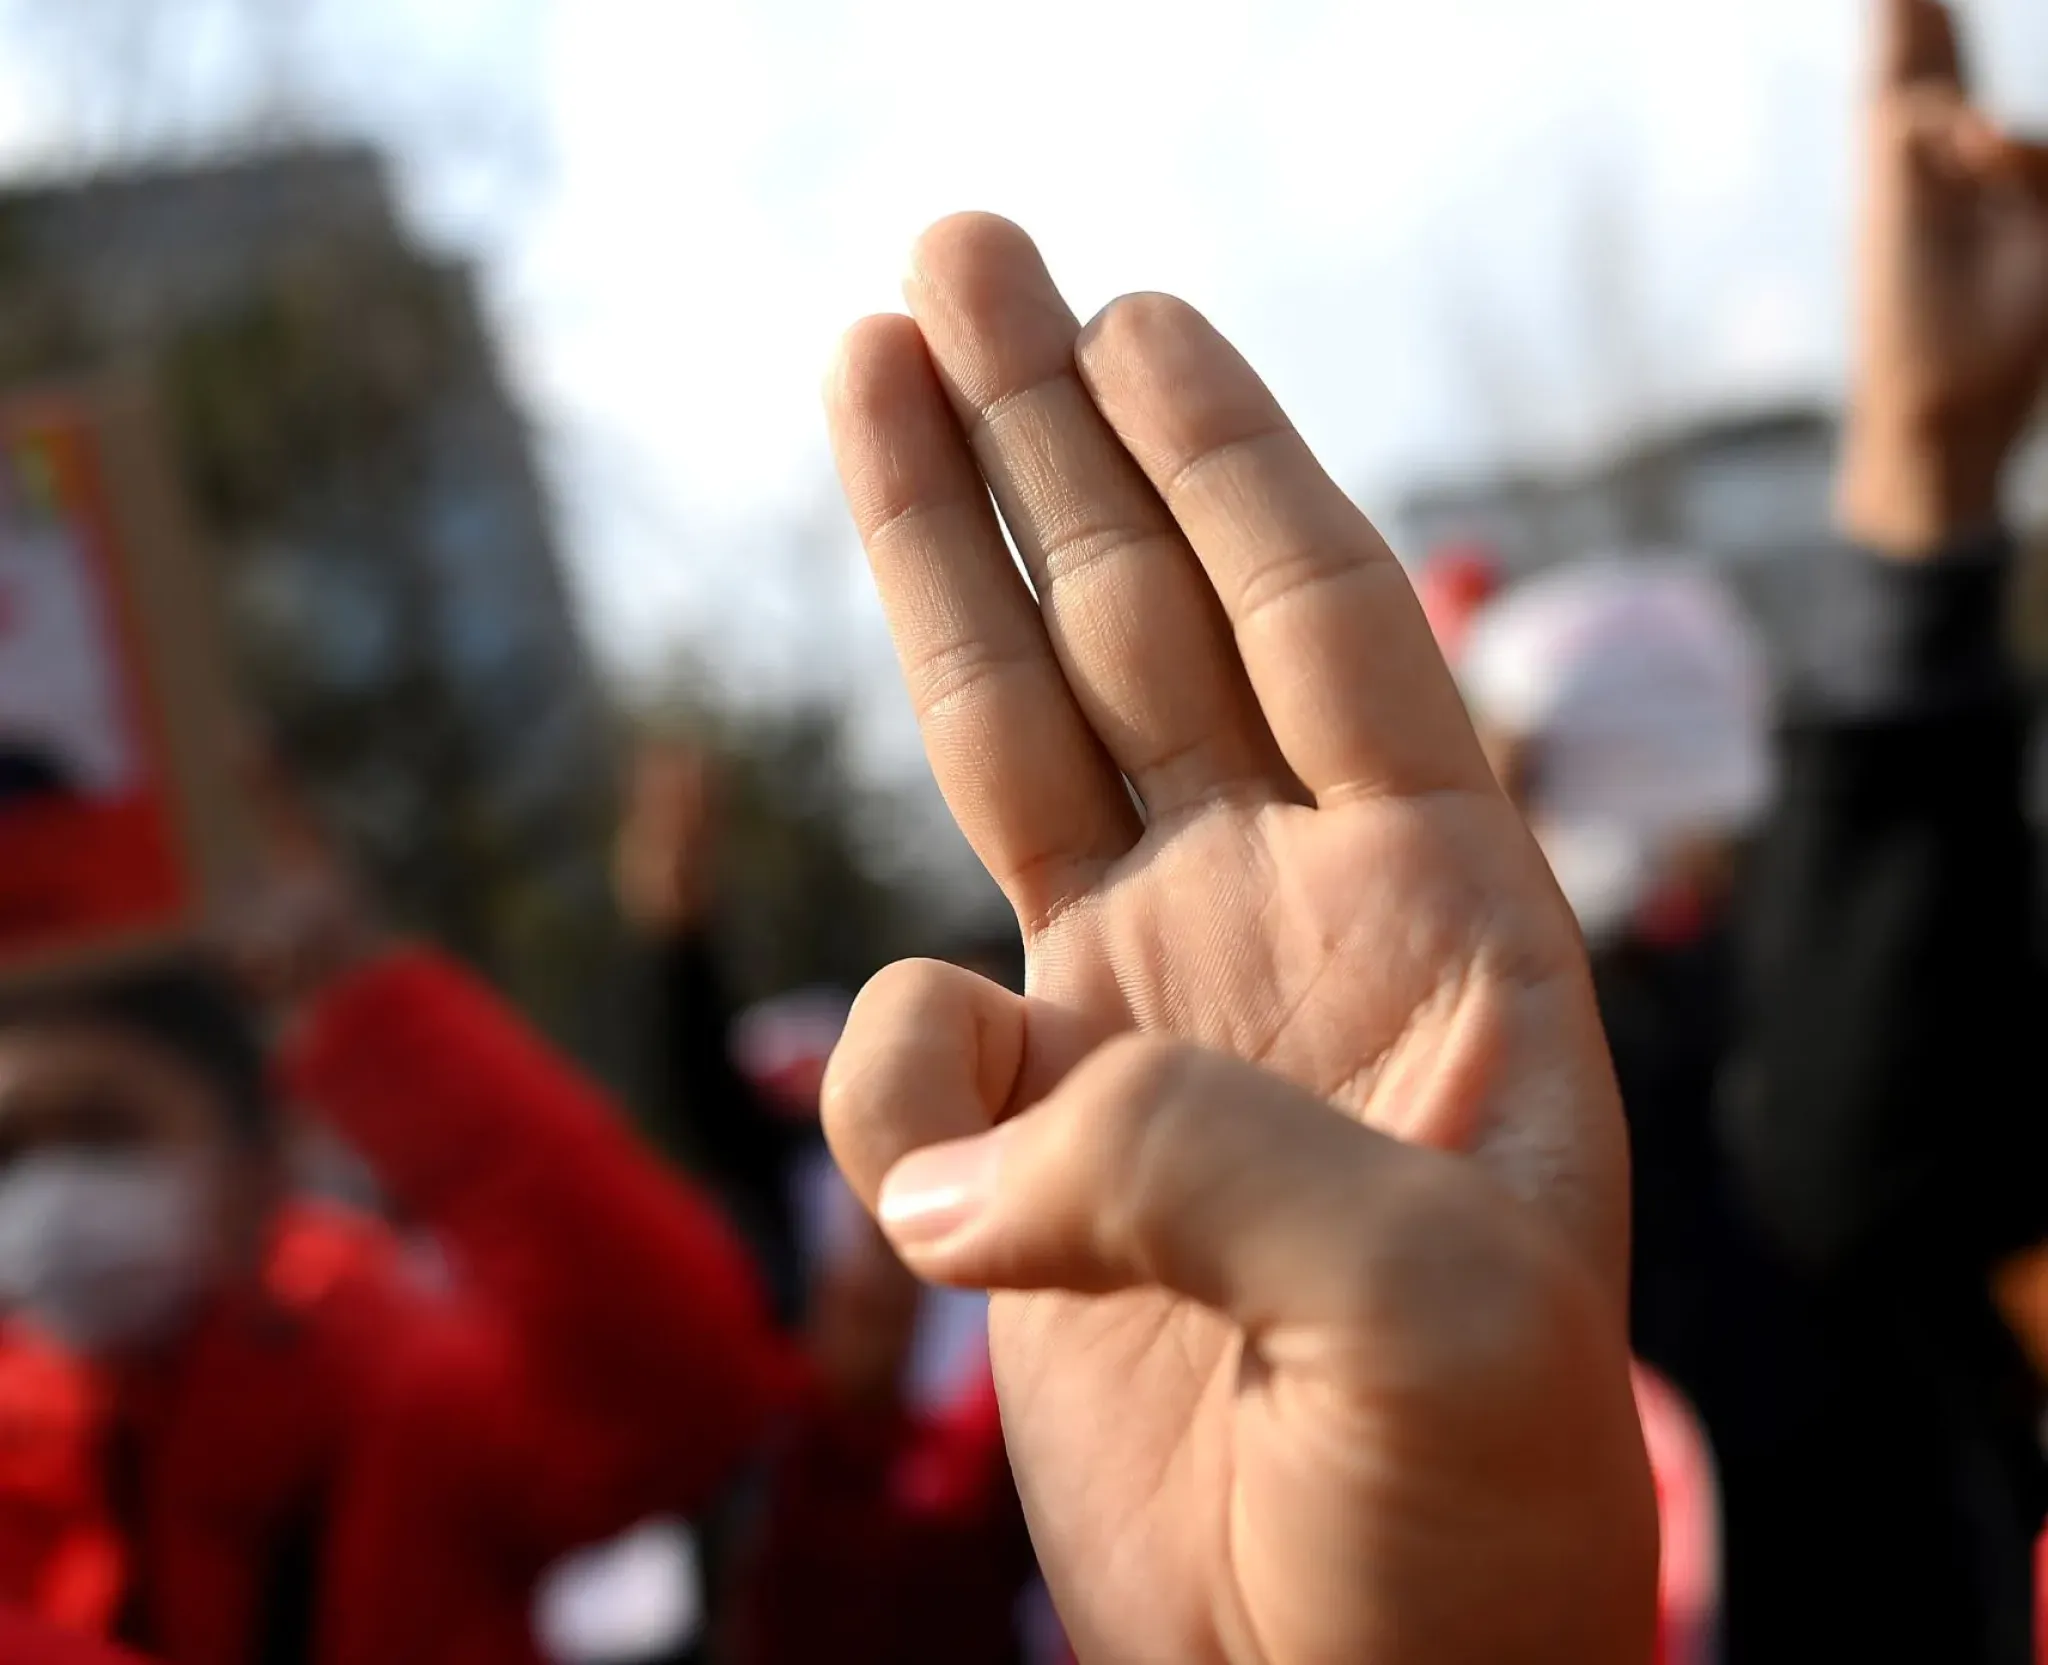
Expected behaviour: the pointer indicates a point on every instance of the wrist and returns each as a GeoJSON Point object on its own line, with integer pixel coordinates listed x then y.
{"type": "Point", "coordinates": [1909, 496]}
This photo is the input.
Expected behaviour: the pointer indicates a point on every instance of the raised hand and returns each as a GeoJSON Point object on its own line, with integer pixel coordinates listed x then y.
{"type": "Point", "coordinates": [1314, 1348]}
{"type": "Point", "coordinates": [301, 919]}
{"type": "Point", "coordinates": [1952, 338]}
{"type": "Point", "coordinates": [666, 847]}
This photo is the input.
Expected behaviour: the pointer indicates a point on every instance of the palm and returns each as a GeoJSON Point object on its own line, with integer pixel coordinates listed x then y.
{"type": "Point", "coordinates": [1129, 1409]}
{"type": "Point", "coordinates": [1323, 881]}
{"type": "Point", "coordinates": [1289, 936]}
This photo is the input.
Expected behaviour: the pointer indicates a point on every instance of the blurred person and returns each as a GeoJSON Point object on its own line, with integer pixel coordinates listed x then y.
{"type": "Point", "coordinates": [738, 1091]}
{"type": "Point", "coordinates": [735, 1091]}
{"type": "Point", "coordinates": [890, 1531]}
{"type": "Point", "coordinates": [1816, 1241]}
{"type": "Point", "coordinates": [743, 1137]}
{"type": "Point", "coordinates": [637, 1599]}
{"type": "Point", "coordinates": [948, 1356]}
{"type": "Point", "coordinates": [891, 1507]}
{"type": "Point", "coordinates": [29, 773]}
{"type": "Point", "coordinates": [1625, 703]}
{"type": "Point", "coordinates": [244, 1426]}
{"type": "Point", "coordinates": [25, 1641]}
{"type": "Point", "coordinates": [781, 1047]}
{"type": "Point", "coordinates": [1885, 1121]}
{"type": "Point", "coordinates": [1454, 584]}
{"type": "Point", "coordinates": [1625, 707]}
{"type": "Point", "coordinates": [784, 1047]}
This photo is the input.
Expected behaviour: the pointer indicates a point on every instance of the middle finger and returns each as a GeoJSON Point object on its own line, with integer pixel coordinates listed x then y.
{"type": "Point", "coordinates": [1137, 628]}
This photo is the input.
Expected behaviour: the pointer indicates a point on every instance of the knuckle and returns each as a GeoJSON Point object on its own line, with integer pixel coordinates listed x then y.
{"type": "Point", "coordinates": [1135, 1071]}
{"type": "Point", "coordinates": [899, 993]}
{"type": "Point", "coordinates": [959, 672]}
{"type": "Point", "coordinates": [899, 1002]}
{"type": "Point", "coordinates": [1133, 1129]}
{"type": "Point", "coordinates": [847, 1097]}
{"type": "Point", "coordinates": [915, 1065]}
{"type": "Point", "coordinates": [1478, 1287]}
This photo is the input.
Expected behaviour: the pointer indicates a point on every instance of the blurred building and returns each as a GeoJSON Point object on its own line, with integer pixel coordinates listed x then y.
{"type": "Point", "coordinates": [368, 490]}
{"type": "Point", "coordinates": [1753, 491]}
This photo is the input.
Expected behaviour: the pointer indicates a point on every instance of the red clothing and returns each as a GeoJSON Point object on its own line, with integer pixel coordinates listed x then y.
{"type": "Point", "coordinates": [899, 1539]}
{"type": "Point", "coordinates": [889, 1539]}
{"type": "Point", "coordinates": [599, 1354]}
{"type": "Point", "coordinates": [26, 1642]}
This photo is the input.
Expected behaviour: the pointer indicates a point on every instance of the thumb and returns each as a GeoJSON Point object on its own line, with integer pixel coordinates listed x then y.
{"type": "Point", "coordinates": [1153, 1165]}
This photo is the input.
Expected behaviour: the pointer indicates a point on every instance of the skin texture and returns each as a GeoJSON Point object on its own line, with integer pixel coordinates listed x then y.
{"type": "Point", "coordinates": [1300, 1168]}
{"type": "Point", "coordinates": [1952, 281]}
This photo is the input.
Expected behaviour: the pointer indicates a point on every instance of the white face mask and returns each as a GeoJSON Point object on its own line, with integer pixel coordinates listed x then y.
{"type": "Point", "coordinates": [106, 1253]}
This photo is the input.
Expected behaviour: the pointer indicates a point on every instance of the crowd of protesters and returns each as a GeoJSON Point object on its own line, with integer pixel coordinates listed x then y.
{"type": "Point", "coordinates": [1521, 1138]}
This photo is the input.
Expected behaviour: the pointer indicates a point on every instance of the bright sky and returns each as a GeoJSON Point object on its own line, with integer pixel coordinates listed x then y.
{"type": "Point", "coordinates": [1447, 230]}
{"type": "Point", "coordinates": [1393, 207]}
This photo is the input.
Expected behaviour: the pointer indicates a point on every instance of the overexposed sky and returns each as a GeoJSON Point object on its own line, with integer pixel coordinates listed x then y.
{"type": "Point", "coordinates": [1417, 219]}
{"type": "Point", "coordinates": [1449, 231]}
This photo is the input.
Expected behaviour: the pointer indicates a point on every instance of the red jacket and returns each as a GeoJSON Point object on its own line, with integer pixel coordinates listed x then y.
{"type": "Point", "coordinates": [890, 1539]}
{"type": "Point", "coordinates": [406, 1454]}
{"type": "Point", "coordinates": [26, 1642]}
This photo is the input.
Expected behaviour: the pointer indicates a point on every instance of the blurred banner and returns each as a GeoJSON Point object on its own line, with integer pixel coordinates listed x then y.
{"type": "Point", "coordinates": [112, 715]}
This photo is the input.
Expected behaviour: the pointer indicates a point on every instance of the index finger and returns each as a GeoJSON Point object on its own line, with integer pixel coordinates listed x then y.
{"type": "Point", "coordinates": [1917, 45]}
{"type": "Point", "coordinates": [1025, 777]}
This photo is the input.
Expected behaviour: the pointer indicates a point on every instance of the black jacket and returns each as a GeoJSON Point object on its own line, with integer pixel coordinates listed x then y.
{"type": "Point", "coordinates": [1819, 1211]}
{"type": "Point", "coordinates": [706, 1113]}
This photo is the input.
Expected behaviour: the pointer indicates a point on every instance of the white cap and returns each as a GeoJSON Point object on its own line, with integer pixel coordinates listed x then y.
{"type": "Point", "coordinates": [1643, 690]}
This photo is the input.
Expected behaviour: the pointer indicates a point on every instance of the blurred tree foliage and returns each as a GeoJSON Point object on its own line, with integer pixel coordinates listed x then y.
{"type": "Point", "coordinates": [368, 492]}
{"type": "Point", "coordinates": [368, 495]}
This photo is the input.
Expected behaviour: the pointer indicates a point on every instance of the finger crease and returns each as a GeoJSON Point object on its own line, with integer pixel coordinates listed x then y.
{"type": "Point", "coordinates": [1022, 878]}
{"type": "Point", "coordinates": [1296, 576]}
{"type": "Point", "coordinates": [1069, 554]}
{"type": "Point", "coordinates": [900, 519]}
{"type": "Point", "coordinates": [989, 414]}
{"type": "Point", "coordinates": [1222, 451]}
{"type": "Point", "coordinates": [944, 678]}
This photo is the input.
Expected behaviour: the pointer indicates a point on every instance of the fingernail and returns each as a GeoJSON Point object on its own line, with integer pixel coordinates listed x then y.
{"type": "Point", "coordinates": [933, 1192]}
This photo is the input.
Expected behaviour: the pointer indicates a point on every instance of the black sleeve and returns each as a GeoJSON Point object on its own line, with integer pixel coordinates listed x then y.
{"type": "Point", "coordinates": [1885, 1117]}
{"type": "Point", "coordinates": [710, 1114]}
